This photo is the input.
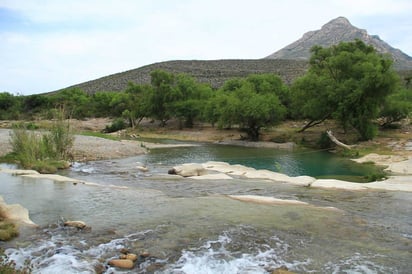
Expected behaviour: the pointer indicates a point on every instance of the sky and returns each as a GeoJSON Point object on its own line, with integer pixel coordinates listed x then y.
{"type": "Point", "coordinates": [47, 45]}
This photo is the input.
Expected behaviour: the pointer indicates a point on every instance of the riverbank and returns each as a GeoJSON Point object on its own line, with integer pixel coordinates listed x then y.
{"type": "Point", "coordinates": [394, 148]}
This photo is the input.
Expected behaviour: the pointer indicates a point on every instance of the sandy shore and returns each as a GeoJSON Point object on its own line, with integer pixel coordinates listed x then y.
{"type": "Point", "coordinates": [89, 148]}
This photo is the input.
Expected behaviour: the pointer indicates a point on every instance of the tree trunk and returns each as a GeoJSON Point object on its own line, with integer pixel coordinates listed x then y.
{"type": "Point", "coordinates": [336, 141]}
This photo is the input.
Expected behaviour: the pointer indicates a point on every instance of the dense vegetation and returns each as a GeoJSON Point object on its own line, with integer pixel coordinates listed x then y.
{"type": "Point", "coordinates": [349, 82]}
{"type": "Point", "coordinates": [43, 151]}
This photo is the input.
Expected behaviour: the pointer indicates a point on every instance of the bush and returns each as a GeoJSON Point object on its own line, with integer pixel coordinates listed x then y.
{"type": "Point", "coordinates": [117, 124]}
{"type": "Point", "coordinates": [45, 152]}
{"type": "Point", "coordinates": [324, 141]}
{"type": "Point", "coordinates": [8, 231]}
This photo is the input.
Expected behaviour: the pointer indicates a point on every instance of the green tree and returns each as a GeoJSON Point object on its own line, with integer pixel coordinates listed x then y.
{"type": "Point", "coordinates": [161, 94]}
{"type": "Point", "coordinates": [139, 103]}
{"type": "Point", "coordinates": [252, 105]}
{"type": "Point", "coordinates": [35, 103]}
{"type": "Point", "coordinates": [10, 106]}
{"type": "Point", "coordinates": [348, 82]}
{"type": "Point", "coordinates": [100, 104]}
{"type": "Point", "coordinates": [188, 99]}
{"type": "Point", "coordinates": [75, 102]}
{"type": "Point", "coordinates": [398, 106]}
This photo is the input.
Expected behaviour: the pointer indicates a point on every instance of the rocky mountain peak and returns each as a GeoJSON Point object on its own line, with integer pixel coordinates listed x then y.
{"type": "Point", "coordinates": [340, 21]}
{"type": "Point", "coordinates": [336, 31]}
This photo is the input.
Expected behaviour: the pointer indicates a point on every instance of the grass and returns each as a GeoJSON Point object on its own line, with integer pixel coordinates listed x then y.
{"type": "Point", "coordinates": [43, 151]}
{"type": "Point", "coordinates": [99, 135]}
{"type": "Point", "coordinates": [8, 231]}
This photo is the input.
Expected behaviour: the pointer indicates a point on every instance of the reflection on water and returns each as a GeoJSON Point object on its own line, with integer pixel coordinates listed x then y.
{"type": "Point", "coordinates": [190, 226]}
{"type": "Point", "coordinates": [292, 163]}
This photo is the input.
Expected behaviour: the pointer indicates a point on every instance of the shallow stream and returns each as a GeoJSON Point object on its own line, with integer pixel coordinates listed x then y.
{"type": "Point", "coordinates": [191, 226]}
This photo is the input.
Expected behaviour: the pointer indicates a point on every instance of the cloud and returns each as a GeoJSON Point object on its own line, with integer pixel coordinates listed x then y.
{"type": "Point", "coordinates": [51, 44]}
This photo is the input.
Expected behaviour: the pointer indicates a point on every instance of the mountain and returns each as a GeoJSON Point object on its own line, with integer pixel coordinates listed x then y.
{"type": "Point", "coordinates": [289, 62]}
{"type": "Point", "coordinates": [213, 72]}
{"type": "Point", "coordinates": [336, 31]}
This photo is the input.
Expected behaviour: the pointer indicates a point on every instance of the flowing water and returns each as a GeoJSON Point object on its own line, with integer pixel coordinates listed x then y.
{"type": "Point", "coordinates": [192, 226]}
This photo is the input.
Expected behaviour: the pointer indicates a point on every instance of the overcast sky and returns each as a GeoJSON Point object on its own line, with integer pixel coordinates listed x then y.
{"type": "Point", "coordinates": [51, 44]}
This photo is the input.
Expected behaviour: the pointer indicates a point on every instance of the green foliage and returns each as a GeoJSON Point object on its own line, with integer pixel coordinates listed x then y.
{"type": "Point", "coordinates": [324, 141]}
{"type": "Point", "coordinates": [398, 106]}
{"type": "Point", "coordinates": [251, 103]}
{"type": "Point", "coordinates": [348, 82]}
{"type": "Point", "coordinates": [9, 106]}
{"type": "Point", "coordinates": [44, 152]}
{"type": "Point", "coordinates": [116, 125]}
{"type": "Point", "coordinates": [8, 230]}
{"type": "Point", "coordinates": [75, 102]}
{"type": "Point", "coordinates": [162, 93]}
{"type": "Point", "coordinates": [175, 96]}
{"type": "Point", "coordinates": [377, 175]}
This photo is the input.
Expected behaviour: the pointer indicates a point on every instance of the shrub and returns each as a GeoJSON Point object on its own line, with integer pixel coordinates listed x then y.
{"type": "Point", "coordinates": [8, 231]}
{"type": "Point", "coordinates": [117, 124]}
{"type": "Point", "coordinates": [324, 141]}
{"type": "Point", "coordinates": [45, 152]}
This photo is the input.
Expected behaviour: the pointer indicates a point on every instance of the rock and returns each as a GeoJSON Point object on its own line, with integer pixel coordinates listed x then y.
{"type": "Point", "coordinates": [124, 251]}
{"type": "Point", "coordinates": [144, 254]}
{"type": "Point", "coordinates": [18, 172]}
{"type": "Point", "coordinates": [217, 176]}
{"type": "Point", "coordinates": [130, 256]}
{"type": "Point", "coordinates": [282, 270]}
{"type": "Point", "coordinates": [76, 224]}
{"type": "Point", "coordinates": [142, 168]}
{"type": "Point", "coordinates": [188, 170]}
{"type": "Point", "coordinates": [266, 200]}
{"type": "Point", "coordinates": [248, 172]}
{"type": "Point", "coordinates": [338, 184]}
{"type": "Point", "coordinates": [15, 213]}
{"type": "Point", "coordinates": [99, 268]}
{"type": "Point", "coordinates": [122, 263]}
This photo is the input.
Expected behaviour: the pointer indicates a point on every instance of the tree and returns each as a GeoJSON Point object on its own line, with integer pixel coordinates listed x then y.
{"type": "Point", "coordinates": [398, 106]}
{"type": "Point", "coordinates": [100, 104]}
{"type": "Point", "coordinates": [348, 82]}
{"type": "Point", "coordinates": [9, 106]}
{"type": "Point", "coordinates": [252, 104]}
{"type": "Point", "coordinates": [75, 101]}
{"type": "Point", "coordinates": [161, 94]}
{"type": "Point", "coordinates": [139, 103]}
{"type": "Point", "coordinates": [189, 99]}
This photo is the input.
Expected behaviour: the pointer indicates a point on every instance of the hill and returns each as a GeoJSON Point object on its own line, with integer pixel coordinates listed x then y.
{"type": "Point", "coordinates": [214, 72]}
{"type": "Point", "coordinates": [336, 31]}
{"type": "Point", "coordinates": [289, 62]}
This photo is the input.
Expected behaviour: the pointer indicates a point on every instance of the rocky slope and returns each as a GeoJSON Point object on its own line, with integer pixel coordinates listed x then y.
{"type": "Point", "coordinates": [214, 72]}
{"type": "Point", "coordinates": [334, 32]}
{"type": "Point", "coordinates": [289, 62]}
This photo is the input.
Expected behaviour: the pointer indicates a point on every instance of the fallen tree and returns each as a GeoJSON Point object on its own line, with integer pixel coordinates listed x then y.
{"type": "Point", "coordinates": [336, 141]}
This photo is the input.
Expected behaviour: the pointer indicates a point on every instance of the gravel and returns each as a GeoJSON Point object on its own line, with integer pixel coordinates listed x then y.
{"type": "Point", "coordinates": [88, 148]}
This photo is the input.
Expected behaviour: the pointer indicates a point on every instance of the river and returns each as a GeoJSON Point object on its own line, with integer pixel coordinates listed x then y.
{"type": "Point", "coordinates": [192, 226]}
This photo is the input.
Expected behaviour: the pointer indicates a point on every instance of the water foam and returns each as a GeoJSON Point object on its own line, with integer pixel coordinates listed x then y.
{"type": "Point", "coordinates": [358, 264]}
{"type": "Point", "coordinates": [217, 257]}
{"type": "Point", "coordinates": [62, 254]}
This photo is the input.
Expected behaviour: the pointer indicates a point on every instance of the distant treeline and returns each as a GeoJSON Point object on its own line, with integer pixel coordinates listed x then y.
{"type": "Point", "coordinates": [350, 83]}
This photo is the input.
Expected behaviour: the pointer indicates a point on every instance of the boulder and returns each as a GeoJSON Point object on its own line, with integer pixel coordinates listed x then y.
{"type": "Point", "coordinates": [266, 200]}
{"type": "Point", "coordinates": [130, 256]}
{"type": "Point", "coordinates": [76, 224]}
{"type": "Point", "coordinates": [188, 170]}
{"type": "Point", "coordinates": [145, 254]}
{"type": "Point", "coordinates": [15, 213]}
{"type": "Point", "coordinates": [142, 168]}
{"type": "Point", "coordinates": [122, 263]}
{"type": "Point", "coordinates": [217, 176]}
